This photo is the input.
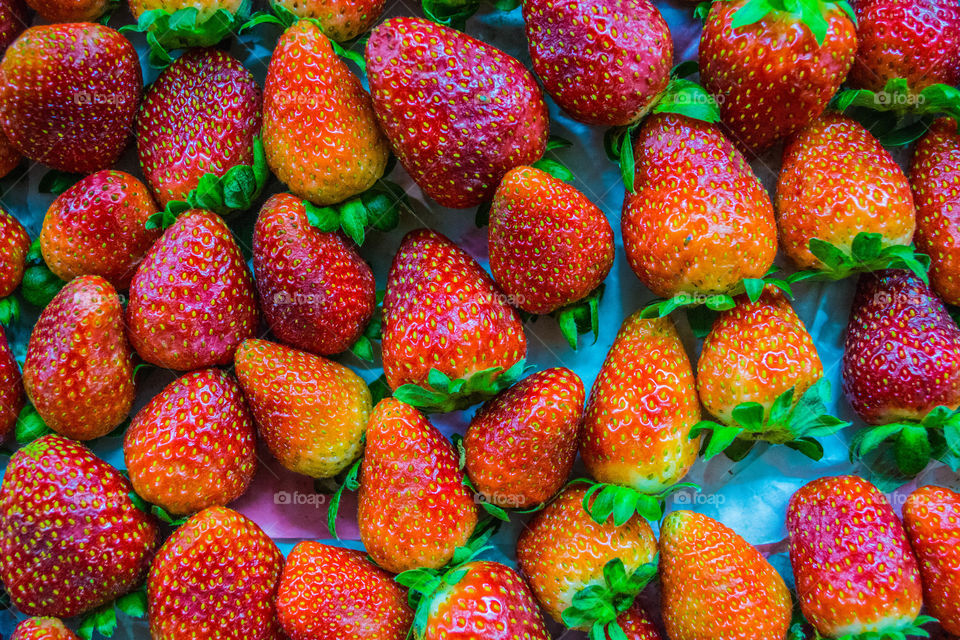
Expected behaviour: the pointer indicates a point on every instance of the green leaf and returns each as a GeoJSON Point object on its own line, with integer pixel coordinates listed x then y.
{"type": "Point", "coordinates": [913, 450]}
{"type": "Point", "coordinates": [812, 16]}
{"type": "Point", "coordinates": [9, 310]}
{"type": "Point", "coordinates": [750, 415]}
{"type": "Point", "coordinates": [627, 161]}
{"type": "Point", "coordinates": [326, 219]}
{"type": "Point", "coordinates": [497, 512]}
{"type": "Point", "coordinates": [451, 13]}
{"type": "Point", "coordinates": [689, 99]}
{"type": "Point", "coordinates": [701, 320]}
{"type": "Point", "coordinates": [350, 483]}
{"type": "Point", "coordinates": [554, 168]}
{"type": "Point", "coordinates": [701, 12]}
{"type": "Point", "coordinates": [720, 439]}
{"type": "Point", "coordinates": [782, 408]}
{"type": "Point", "coordinates": [870, 438]}
{"type": "Point", "coordinates": [353, 219]}
{"type": "Point", "coordinates": [809, 447]}
{"type": "Point", "coordinates": [30, 425]}
{"type": "Point", "coordinates": [556, 142]}
{"type": "Point", "coordinates": [133, 604]}
{"type": "Point", "coordinates": [754, 288]}
{"type": "Point", "coordinates": [356, 57]}
{"type": "Point", "coordinates": [750, 13]}
{"type": "Point", "coordinates": [739, 449]}
{"type": "Point", "coordinates": [363, 348]}
{"type": "Point", "coordinates": [687, 67]}
{"type": "Point", "coordinates": [56, 182]}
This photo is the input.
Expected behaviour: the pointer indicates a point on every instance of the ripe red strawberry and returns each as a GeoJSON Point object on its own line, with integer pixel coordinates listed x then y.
{"type": "Point", "coordinates": [918, 40]}
{"type": "Point", "coordinates": [520, 446]}
{"type": "Point", "coordinates": [319, 130]}
{"type": "Point", "coordinates": [414, 510]}
{"type": "Point", "coordinates": [79, 367]}
{"type": "Point", "coordinates": [329, 593]}
{"type": "Point", "coordinates": [9, 156]}
{"type": "Point", "coordinates": [444, 321]}
{"type": "Point", "coordinates": [215, 577]}
{"type": "Point", "coordinates": [715, 584]}
{"type": "Point", "coordinates": [637, 624]}
{"type": "Point", "coordinates": [194, 445]}
{"type": "Point", "coordinates": [932, 519]}
{"type": "Point", "coordinates": [68, 94]}
{"type": "Point", "coordinates": [14, 18]}
{"type": "Point", "coordinates": [11, 388]}
{"type": "Point", "coordinates": [935, 179]}
{"type": "Point", "coordinates": [603, 61]}
{"type": "Point", "coordinates": [835, 179]}
{"type": "Point", "coordinates": [98, 227]}
{"type": "Point", "coordinates": [71, 539]}
{"type": "Point", "coordinates": [456, 137]}
{"type": "Point", "coordinates": [42, 629]}
{"type": "Point", "coordinates": [311, 412]}
{"type": "Point", "coordinates": [774, 70]}
{"type": "Point", "coordinates": [316, 292]}
{"type": "Point", "coordinates": [70, 10]}
{"type": "Point", "coordinates": [192, 300]}
{"type": "Point", "coordinates": [700, 221]}
{"type": "Point", "coordinates": [14, 245]}
{"type": "Point", "coordinates": [340, 20]}
{"type": "Point", "coordinates": [853, 566]}
{"type": "Point", "coordinates": [180, 138]}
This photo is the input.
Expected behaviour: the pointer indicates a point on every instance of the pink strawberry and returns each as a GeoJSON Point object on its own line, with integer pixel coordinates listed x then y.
{"type": "Point", "coordinates": [11, 388]}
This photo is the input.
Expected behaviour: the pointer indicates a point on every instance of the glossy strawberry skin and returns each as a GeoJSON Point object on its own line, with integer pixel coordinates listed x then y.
{"type": "Point", "coordinates": [194, 445]}
{"type": "Point", "coordinates": [636, 429]}
{"type": "Point", "coordinates": [42, 629]}
{"type": "Point", "coordinates": [70, 10]}
{"type": "Point", "coordinates": [700, 221]}
{"type": "Point", "coordinates": [320, 134]}
{"type": "Point", "coordinates": [935, 179]}
{"type": "Point", "coordinates": [456, 139]}
{"type": "Point", "coordinates": [603, 61]}
{"type": "Point", "coordinates": [549, 245]}
{"type": "Point", "coordinates": [441, 310]}
{"type": "Point", "coordinates": [215, 577]}
{"type": "Point", "coordinates": [180, 138]}
{"type": "Point", "coordinates": [329, 593]}
{"type": "Point", "coordinates": [414, 510]}
{"type": "Point", "coordinates": [12, 397]}
{"type": "Point", "coordinates": [521, 445]}
{"type": "Point", "coordinates": [310, 411]}
{"type": "Point", "coordinates": [9, 156]}
{"type": "Point", "coordinates": [853, 566]}
{"type": "Point", "coordinates": [931, 516]}
{"type": "Point", "coordinates": [192, 300]}
{"type": "Point", "coordinates": [341, 20]}
{"type": "Point", "coordinates": [97, 227]}
{"type": "Point", "coordinates": [316, 292]}
{"type": "Point", "coordinates": [14, 244]}
{"type": "Point", "coordinates": [70, 537]}
{"type": "Point", "coordinates": [79, 367]}
{"type": "Point", "coordinates": [771, 78]}
{"type": "Point", "coordinates": [637, 624]}
{"type": "Point", "coordinates": [717, 585]}
{"type": "Point", "coordinates": [899, 330]}
{"type": "Point", "coordinates": [14, 18]}
{"type": "Point", "coordinates": [68, 95]}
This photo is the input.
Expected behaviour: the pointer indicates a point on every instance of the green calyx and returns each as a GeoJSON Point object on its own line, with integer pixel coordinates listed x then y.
{"type": "Point", "coordinates": [348, 480]}
{"type": "Point", "coordinates": [30, 426]}
{"type": "Point", "coordinates": [363, 347]}
{"type": "Point", "coordinates": [378, 207]}
{"type": "Point", "coordinates": [104, 619]}
{"type": "Point", "coordinates": [796, 425]}
{"type": "Point", "coordinates": [603, 501]}
{"type": "Point", "coordinates": [576, 319]}
{"type": "Point", "coordinates": [812, 13]}
{"type": "Point", "coordinates": [598, 606]}
{"type": "Point", "coordinates": [912, 629]}
{"type": "Point", "coordinates": [455, 13]}
{"type": "Point", "coordinates": [753, 287]}
{"type": "Point", "coordinates": [914, 444]}
{"type": "Point", "coordinates": [56, 181]}
{"type": "Point", "coordinates": [867, 253]}
{"type": "Point", "coordinates": [9, 310]}
{"type": "Point", "coordinates": [443, 394]}
{"type": "Point", "coordinates": [39, 285]}
{"type": "Point", "coordinates": [156, 511]}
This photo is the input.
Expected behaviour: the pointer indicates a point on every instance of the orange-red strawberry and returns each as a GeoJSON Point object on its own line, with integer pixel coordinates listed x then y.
{"type": "Point", "coordinates": [71, 539]}
{"type": "Point", "coordinates": [311, 412]}
{"type": "Point", "coordinates": [216, 577]}
{"type": "Point", "coordinates": [319, 130]}
{"type": "Point", "coordinates": [459, 113]}
{"type": "Point", "coordinates": [446, 326]}
{"type": "Point", "coordinates": [79, 367]}
{"type": "Point", "coordinates": [98, 227]}
{"type": "Point", "coordinates": [42, 629]}
{"type": "Point", "coordinates": [194, 445]}
{"type": "Point", "coordinates": [328, 593]}
{"type": "Point", "coordinates": [931, 516]}
{"type": "Point", "coordinates": [70, 10]}
{"type": "Point", "coordinates": [14, 245]}
{"type": "Point", "coordinates": [316, 292]}
{"type": "Point", "coordinates": [11, 388]}
{"type": "Point", "coordinates": [414, 509]}
{"type": "Point", "coordinates": [14, 18]}
{"type": "Point", "coordinates": [715, 584]}
{"type": "Point", "coordinates": [68, 95]}
{"type": "Point", "coordinates": [520, 446]}
{"type": "Point", "coordinates": [192, 300]}
{"type": "Point", "coordinates": [340, 20]}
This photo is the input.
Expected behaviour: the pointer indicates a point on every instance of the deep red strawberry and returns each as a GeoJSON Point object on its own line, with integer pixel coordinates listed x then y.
{"type": "Point", "coordinates": [71, 539]}
{"type": "Point", "coordinates": [68, 95]}
{"type": "Point", "coordinates": [457, 138]}
{"type": "Point", "coordinates": [341, 20]}
{"type": "Point", "coordinates": [14, 18]}
{"type": "Point", "coordinates": [637, 624]}
{"type": "Point", "coordinates": [12, 397]}
{"type": "Point", "coordinates": [192, 300]}
{"type": "Point", "coordinates": [14, 245]}
{"type": "Point", "coordinates": [42, 629]}
{"type": "Point", "coordinates": [9, 156]}
{"type": "Point", "coordinates": [79, 367]}
{"type": "Point", "coordinates": [70, 10]}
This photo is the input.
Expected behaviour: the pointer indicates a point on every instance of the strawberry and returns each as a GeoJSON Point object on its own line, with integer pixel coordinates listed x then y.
{"type": "Point", "coordinates": [71, 10]}
{"type": "Point", "coordinates": [11, 388]}
{"type": "Point", "coordinates": [520, 446]}
{"type": "Point", "coordinates": [98, 227]}
{"type": "Point", "coordinates": [935, 178]}
{"type": "Point", "coordinates": [71, 539]}
{"type": "Point", "coordinates": [194, 445]}
{"type": "Point", "coordinates": [9, 156]}
{"type": "Point", "coordinates": [853, 566]}
{"type": "Point", "coordinates": [773, 69]}
{"type": "Point", "coordinates": [446, 327]}
{"type": "Point", "coordinates": [835, 178]}
{"type": "Point", "coordinates": [319, 131]}
{"type": "Point", "coordinates": [14, 245]}
{"type": "Point", "coordinates": [699, 221]}
{"type": "Point", "coordinates": [215, 577]}
{"type": "Point", "coordinates": [316, 292]}
{"type": "Point", "coordinates": [457, 137]}
{"type": "Point", "coordinates": [79, 367]}
{"type": "Point", "coordinates": [176, 24]}
{"type": "Point", "coordinates": [899, 330]}
{"type": "Point", "coordinates": [637, 624]}
{"type": "Point", "coordinates": [414, 509]}
{"type": "Point", "coordinates": [180, 140]}
{"type": "Point", "coordinates": [328, 593]}
{"type": "Point", "coordinates": [583, 573]}
{"type": "Point", "coordinates": [340, 20]}
{"type": "Point", "coordinates": [42, 629]}
{"type": "Point", "coordinates": [715, 584]}
{"type": "Point", "coordinates": [932, 519]}
{"type": "Point", "coordinates": [14, 18]}
{"type": "Point", "coordinates": [311, 412]}
{"type": "Point", "coordinates": [68, 95]}
{"type": "Point", "coordinates": [603, 61]}
{"type": "Point", "coordinates": [192, 300]}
